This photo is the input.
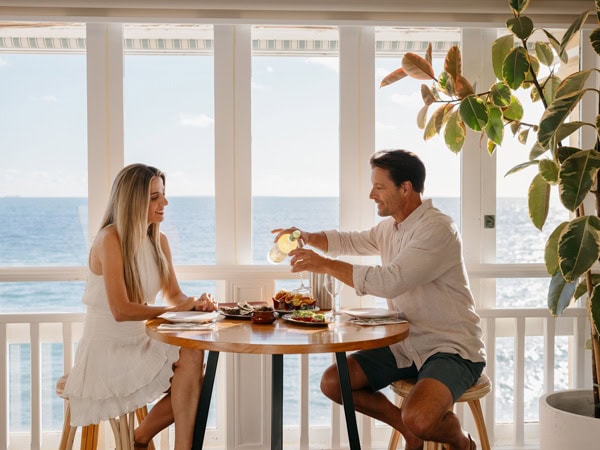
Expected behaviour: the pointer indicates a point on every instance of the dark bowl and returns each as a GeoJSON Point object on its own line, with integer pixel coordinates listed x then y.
{"type": "Point", "coordinates": [264, 317]}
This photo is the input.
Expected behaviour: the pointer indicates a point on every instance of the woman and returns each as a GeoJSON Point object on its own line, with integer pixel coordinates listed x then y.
{"type": "Point", "coordinates": [117, 367]}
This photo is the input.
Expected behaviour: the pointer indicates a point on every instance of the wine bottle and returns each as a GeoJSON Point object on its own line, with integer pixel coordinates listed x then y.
{"type": "Point", "coordinates": [285, 244]}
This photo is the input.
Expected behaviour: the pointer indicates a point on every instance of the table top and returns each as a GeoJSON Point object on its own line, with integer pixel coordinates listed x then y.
{"type": "Point", "coordinates": [280, 337]}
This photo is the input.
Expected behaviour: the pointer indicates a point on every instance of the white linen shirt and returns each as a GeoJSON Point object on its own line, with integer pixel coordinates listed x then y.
{"type": "Point", "coordinates": [423, 278]}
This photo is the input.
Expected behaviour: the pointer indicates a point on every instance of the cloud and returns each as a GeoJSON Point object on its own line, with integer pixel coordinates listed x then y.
{"type": "Point", "coordinates": [332, 64]}
{"type": "Point", "coordinates": [198, 120]}
{"type": "Point", "coordinates": [269, 69]}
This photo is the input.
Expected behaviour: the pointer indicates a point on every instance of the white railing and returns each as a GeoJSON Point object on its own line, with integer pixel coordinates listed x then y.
{"type": "Point", "coordinates": [34, 330]}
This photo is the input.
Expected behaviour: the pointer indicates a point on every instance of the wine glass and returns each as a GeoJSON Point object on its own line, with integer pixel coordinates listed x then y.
{"type": "Point", "coordinates": [333, 286]}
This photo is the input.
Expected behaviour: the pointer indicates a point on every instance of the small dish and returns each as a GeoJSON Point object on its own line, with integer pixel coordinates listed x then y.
{"type": "Point", "coordinates": [264, 317]}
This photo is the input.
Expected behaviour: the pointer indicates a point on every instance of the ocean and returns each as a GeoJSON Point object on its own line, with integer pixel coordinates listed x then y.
{"type": "Point", "coordinates": [53, 232]}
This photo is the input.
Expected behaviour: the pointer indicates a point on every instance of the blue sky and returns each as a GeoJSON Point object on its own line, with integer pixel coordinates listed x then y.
{"type": "Point", "coordinates": [169, 120]}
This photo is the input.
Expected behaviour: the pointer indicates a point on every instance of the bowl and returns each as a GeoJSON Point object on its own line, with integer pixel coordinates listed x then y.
{"type": "Point", "coordinates": [264, 317]}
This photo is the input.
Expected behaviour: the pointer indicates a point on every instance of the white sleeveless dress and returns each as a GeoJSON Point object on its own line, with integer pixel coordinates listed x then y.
{"type": "Point", "coordinates": [118, 368]}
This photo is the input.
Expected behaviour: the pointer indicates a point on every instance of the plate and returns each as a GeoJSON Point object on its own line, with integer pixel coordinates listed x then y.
{"type": "Point", "coordinates": [288, 318]}
{"type": "Point", "coordinates": [190, 316]}
{"type": "Point", "coordinates": [236, 316]}
{"type": "Point", "coordinates": [370, 313]}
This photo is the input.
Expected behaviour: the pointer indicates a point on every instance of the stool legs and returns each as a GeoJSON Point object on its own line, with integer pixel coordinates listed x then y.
{"type": "Point", "coordinates": [475, 406]}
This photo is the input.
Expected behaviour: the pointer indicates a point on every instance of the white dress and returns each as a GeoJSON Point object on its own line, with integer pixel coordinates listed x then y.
{"type": "Point", "coordinates": [118, 368]}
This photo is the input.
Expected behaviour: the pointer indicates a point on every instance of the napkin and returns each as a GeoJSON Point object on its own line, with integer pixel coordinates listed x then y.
{"type": "Point", "coordinates": [185, 326]}
{"type": "Point", "coordinates": [372, 322]}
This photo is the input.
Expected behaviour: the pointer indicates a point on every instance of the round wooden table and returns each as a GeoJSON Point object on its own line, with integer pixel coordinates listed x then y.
{"type": "Point", "coordinates": [278, 339]}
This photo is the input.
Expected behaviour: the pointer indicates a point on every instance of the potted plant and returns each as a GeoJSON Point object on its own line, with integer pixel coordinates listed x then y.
{"type": "Point", "coordinates": [574, 246]}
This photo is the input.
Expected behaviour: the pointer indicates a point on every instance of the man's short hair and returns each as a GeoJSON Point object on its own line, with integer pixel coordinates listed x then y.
{"type": "Point", "coordinates": [402, 166]}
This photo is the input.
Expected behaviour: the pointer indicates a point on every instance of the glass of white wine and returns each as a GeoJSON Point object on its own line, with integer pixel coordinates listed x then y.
{"type": "Point", "coordinates": [333, 286]}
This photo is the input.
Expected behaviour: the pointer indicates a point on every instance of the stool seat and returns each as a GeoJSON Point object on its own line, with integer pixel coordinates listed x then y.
{"type": "Point", "coordinates": [472, 396]}
{"type": "Point", "coordinates": [122, 426]}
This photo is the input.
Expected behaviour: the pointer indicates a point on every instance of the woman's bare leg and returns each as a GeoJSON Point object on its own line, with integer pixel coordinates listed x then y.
{"type": "Point", "coordinates": [188, 375]}
{"type": "Point", "coordinates": [159, 418]}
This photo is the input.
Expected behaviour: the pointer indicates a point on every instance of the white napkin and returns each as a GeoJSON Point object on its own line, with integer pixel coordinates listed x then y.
{"type": "Point", "coordinates": [372, 322]}
{"type": "Point", "coordinates": [190, 316]}
{"type": "Point", "coordinates": [185, 326]}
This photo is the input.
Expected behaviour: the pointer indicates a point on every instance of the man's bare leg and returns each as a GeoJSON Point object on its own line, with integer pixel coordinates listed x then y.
{"type": "Point", "coordinates": [424, 414]}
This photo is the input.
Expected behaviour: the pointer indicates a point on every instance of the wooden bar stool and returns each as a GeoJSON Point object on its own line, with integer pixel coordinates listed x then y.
{"type": "Point", "coordinates": [472, 396]}
{"type": "Point", "coordinates": [122, 427]}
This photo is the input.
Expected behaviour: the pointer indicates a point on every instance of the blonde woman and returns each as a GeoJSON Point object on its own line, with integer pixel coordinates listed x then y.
{"type": "Point", "coordinates": [117, 367]}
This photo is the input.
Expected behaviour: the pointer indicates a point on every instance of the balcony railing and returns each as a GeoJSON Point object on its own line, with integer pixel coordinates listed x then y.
{"type": "Point", "coordinates": [31, 415]}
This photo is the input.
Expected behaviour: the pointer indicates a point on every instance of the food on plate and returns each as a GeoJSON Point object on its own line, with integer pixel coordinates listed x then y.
{"type": "Point", "coordinates": [290, 300]}
{"type": "Point", "coordinates": [308, 316]}
{"type": "Point", "coordinates": [243, 309]}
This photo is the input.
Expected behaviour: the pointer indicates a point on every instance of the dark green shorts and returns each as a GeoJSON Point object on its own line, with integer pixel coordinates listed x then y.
{"type": "Point", "coordinates": [456, 373]}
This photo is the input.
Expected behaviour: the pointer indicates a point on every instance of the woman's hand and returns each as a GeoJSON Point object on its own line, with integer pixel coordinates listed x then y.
{"type": "Point", "coordinates": [206, 302]}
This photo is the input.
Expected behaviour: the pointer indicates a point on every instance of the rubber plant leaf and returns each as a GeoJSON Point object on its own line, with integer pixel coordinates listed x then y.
{"type": "Point", "coordinates": [536, 150]}
{"type": "Point", "coordinates": [521, 26]}
{"type": "Point", "coordinates": [549, 170]}
{"type": "Point", "coordinates": [396, 75]}
{"type": "Point", "coordinates": [455, 132]}
{"type": "Point", "coordinates": [573, 30]}
{"type": "Point", "coordinates": [551, 249]}
{"type": "Point", "coordinates": [473, 112]}
{"type": "Point", "coordinates": [577, 176]}
{"type": "Point", "coordinates": [518, 6]}
{"type": "Point", "coordinates": [581, 289]}
{"type": "Point", "coordinates": [573, 83]}
{"type": "Point", "coordinates": [556, 114]}
{"type": "Point", "coordinates": [560, 294]}
{"type": "Point", "coordinates": [595, 40]}
{"type": "Point", "coordinates": [515, 67]}
{"type": "Point", "coordinates": [453, 62]}
{"type": "Point", "coordinates": [500, 94]}
{"type": "Point", "coordinates": [549, 87]}
{"type": "Point", "coordinates": [417, 67]}
{"type": "Point", "coordinates": [538, 200]}
{"type": "Point", "coordinates": [422, 117]}
{"type": "Point", "coordinates": [567, 129]}
{"type": "Point", "coordinates": [556, 46]}
{"type": "Point", "coordinates": [544, 53]}
{"type": "Point", "coordinates": [520, 167]}
{"type": "Point", "coordinates": [564, 152]}
{"type": "Point", "coordinates": [436, 121]}
{"type": "Point", "coordinates": [427, 94]}
{"type": "Point", "coordinates": [428, 53]}
{"type": "Point", "coordinates": [578, 247]}
{"type": "Point", "coordinates": [500, 50]}
{"type": "Point", "coordinates": [463, 87]}
{"type": "Point", "coordinates": [514, 111]}
{"type": "Point", "coordinates": [494, 128]}
{"type": "Point", "coordinates": [595, 307]}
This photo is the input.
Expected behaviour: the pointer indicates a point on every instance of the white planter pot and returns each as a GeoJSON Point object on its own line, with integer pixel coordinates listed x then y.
{"type": "Point", "coordinates": [567, 421]}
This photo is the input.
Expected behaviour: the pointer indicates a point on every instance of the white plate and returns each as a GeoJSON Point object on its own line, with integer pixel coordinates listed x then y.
{"type": "Point", "coordinates": [370, 313]}
{"type": "Point", "coordinates": [190, 316]}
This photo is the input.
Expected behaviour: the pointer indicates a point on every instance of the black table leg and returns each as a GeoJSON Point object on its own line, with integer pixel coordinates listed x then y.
{"type": "Point", "coordinates": [277, 402]}
{"type": "Point", "coordinates": [204, 402]}
{"type": "Point", "coordinates": [342, 366]}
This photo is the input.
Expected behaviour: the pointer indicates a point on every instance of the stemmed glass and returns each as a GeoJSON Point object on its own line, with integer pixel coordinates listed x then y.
{"type": "Point", "coordinates": [333, 286]}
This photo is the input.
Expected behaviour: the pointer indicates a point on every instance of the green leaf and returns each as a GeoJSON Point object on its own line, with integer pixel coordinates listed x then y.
{"type": "Point", "coordinates": [560, 294]}
{"type": "Point", "coordinates": [453, 62]}
{"type": "Point", "coordinates": [564, 152]}
{"type": "Point", "coordinates": [539, 201]}
{"type": "Point", "coordinates": [566, 129]}
{"type": "Point", "coordinates": [500, 94]}
{"type": "Point", "coordinates": [595, 40]}
{"type": "Point", "coordinates": [577, 175]}
{"type": "Point", "coordinates": [436, 121]}
{"type": "Point", "coordinates": [473, 112]}
{"type": "Point", "coordinates": [500, 50]}
{"type": "Point", "coordinates": [573, 83]}
{"type": "Point", "coordinates": [556, 46]}
{"type": "Point", "coordinates": [495, 127]}
{"type": "Point", "coordinates": [417, 67]}
{"type": "Point", "coordinates": [581, 289]}
{"type": "Point", "coordinates": [454, 133]}
{"type": "Point", "coordinates": [549, 170]}
{"type": "Point", "coordinates": [578, 247]}
{"type": "Point", "coordinates": [515, 67]}
{"type": "Point", "coordinates": [491, 147]}
{"type": "Point", "coordinates": [595, 307]}
{"type": "Point", "coordinates": [551, 249]}
{"type": "Point", "coordinates": [521, 26]}
{"type": "Point", "coordinates": [523, 136]}
{"type": "Point", "coordinates": [544, 53]}
{"type": "Point", "coordinates": [536, 150]}
{"type": "Point", "coordinates": [573, 30]}
{"type": "Point", "coordinates": [520, 167]}
{"type": "Point", "coordinates": [549, 87]}
{"type": "Point", "coordinates": [514, 110]}
{"type": "Point", "coordinates": [556, 113]}
{"type": "Point", "coordinates": [518, 6]}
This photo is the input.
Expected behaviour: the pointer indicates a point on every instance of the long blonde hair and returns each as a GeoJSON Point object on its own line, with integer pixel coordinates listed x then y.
{"type": "Point", "coordinates": [127, 209]}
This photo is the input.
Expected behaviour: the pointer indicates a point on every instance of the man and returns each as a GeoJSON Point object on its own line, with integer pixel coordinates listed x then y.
{"type": "Point", "coordinates": [423, 278]}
